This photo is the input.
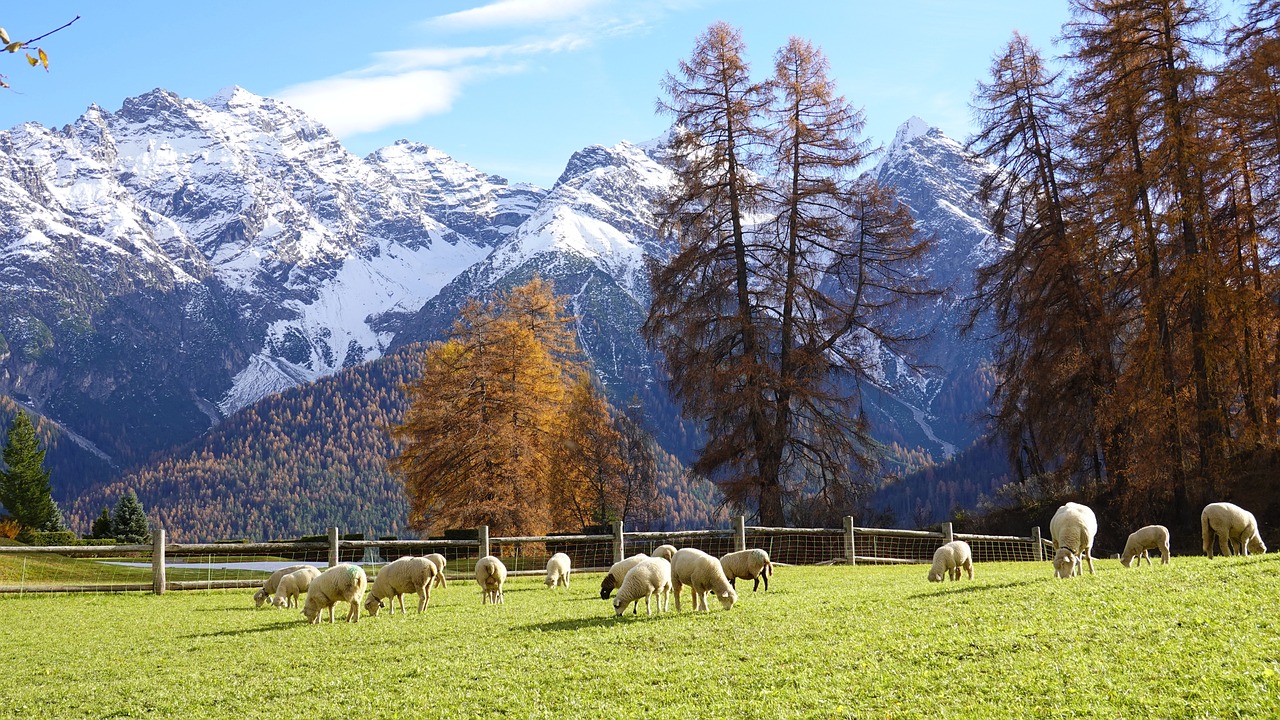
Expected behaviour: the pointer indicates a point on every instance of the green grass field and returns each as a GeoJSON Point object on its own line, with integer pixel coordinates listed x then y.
{"type": "Point", "coordinates": [1196, 639]}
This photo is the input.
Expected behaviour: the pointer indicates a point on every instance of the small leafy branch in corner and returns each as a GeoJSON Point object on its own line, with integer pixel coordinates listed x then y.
{"type": "Point", "coordinates": [40, 58]}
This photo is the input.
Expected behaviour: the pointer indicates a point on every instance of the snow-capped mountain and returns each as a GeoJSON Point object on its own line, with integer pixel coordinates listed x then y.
{"type": "Point", "coordinates": [176, 260]}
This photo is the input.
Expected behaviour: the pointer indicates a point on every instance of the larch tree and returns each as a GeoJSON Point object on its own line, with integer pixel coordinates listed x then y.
{"type": "Point", "coordinates": [787, 267]}
{"type": "Point", "coordinates": [476, 441]}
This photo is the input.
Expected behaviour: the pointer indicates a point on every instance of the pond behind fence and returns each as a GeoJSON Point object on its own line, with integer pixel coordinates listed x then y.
{"type": "Point", "coordinates": [160, 566]}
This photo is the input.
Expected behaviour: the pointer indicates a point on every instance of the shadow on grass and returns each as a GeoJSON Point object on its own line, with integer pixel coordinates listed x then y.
{"type": "Point", "coordinates": [278, 627]}
{"type": "Point", "coordinates": [572, 624]}
{"type": "Point", "coordinates": [974, 587]}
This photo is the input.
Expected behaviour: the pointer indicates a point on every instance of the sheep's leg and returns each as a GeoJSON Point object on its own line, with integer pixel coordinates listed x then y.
{"type": "Point", "coordinates": [1088, 559]}
{"type": "Point", "coordinates": [1224, 544]}
{"type": "Point", "coordinates": [678, 588]}
{"type": "Point", "coordinates": [1164, 555]}
{"type": "Point", "coordinates": [647, 610]}
{"type": "Point", "coordinates": [757, 585]}
{"type": "Point", "coordinates": [331, 613]}
{"type": "Point", "coordinates": [968, 568]}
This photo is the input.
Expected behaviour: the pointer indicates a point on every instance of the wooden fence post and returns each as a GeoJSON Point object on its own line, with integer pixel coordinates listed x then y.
{"type": "Point", "coordinates": [158, 584]}
{"type": "Point", "coordinates": [946, 531]}
{"type": "Point", "coordinates": [334, 557]}
{"type": "Point", "coordinates": [1036, 544]}
{"type": "Point", "coordinates": [849, 548]}
{"type": "Point", "coordinates": [739, 533]}
{"type": "Point", "coordinates": [482, 534]}
{"type": "Point", "coordinates": [618, 550]}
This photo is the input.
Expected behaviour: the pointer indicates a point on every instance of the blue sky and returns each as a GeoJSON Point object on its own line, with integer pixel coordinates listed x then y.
{"type": "Point", "coordinates": [512, 87]}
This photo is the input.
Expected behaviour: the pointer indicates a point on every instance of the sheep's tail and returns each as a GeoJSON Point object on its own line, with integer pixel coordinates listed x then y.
{"type": "Point", "coordinates": [1205, 534]}
{"type": "Point", "coordinates": [768, 568]}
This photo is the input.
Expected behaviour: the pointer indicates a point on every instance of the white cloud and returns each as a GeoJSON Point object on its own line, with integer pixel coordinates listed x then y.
{"type": "Point", "coordinates": [354, 105]}
{"type": "Point", "coordinates": [508, 13]}
{"type": "Point", "coordinates": [418, 58]}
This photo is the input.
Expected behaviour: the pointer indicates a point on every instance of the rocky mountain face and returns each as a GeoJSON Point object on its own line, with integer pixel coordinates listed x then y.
{"type": "Point", "coordinates": [166, 265]}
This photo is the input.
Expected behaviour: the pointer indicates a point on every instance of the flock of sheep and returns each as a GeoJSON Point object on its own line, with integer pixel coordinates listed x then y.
{"type": "Point", "coordinates": [1074, 527]}
{"type": "Point", "coordinates": [668, 570]}
{"type": "Point", "coordinates": [637, 577]}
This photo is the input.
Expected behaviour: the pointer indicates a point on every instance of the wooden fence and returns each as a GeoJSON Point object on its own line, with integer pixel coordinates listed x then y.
{"type": "Point", "coordinates": [525, 555]}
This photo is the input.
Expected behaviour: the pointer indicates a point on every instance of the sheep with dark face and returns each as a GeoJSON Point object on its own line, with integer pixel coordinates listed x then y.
{"type": "Point", "coordinates": [617, 572]}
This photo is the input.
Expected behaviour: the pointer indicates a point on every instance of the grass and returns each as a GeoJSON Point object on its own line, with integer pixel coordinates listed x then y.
{"type": "Point", "coordinates": [1196, 639]}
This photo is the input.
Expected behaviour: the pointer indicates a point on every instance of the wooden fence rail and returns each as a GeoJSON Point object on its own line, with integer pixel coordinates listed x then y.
{"type": "Point", "coordinates": [591, 552]}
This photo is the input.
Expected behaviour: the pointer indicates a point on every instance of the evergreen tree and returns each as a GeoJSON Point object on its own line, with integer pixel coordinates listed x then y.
{"type": "Point", "coordinates": [24, 483]}
{"type": "Point", "coordinates": [101, 528]}
{"type": "Point", "coordinates": [129, 523]}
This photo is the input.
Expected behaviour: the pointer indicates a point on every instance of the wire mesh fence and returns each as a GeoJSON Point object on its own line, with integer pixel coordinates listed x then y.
{"type": "Point", "coordinates": [161, 566]}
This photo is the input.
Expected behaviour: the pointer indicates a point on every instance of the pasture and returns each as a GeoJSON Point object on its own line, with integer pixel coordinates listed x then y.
{"type": "Point", "coordinates": [1196, 639]}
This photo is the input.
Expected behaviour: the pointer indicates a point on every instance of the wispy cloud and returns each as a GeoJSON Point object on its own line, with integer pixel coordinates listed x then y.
{"type": "Point", "coordinates": [404, 86]}
{"type": "Point", "coordinates": [517, 13]}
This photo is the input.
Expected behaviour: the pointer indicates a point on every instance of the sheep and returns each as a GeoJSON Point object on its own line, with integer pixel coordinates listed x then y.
{"type": "Point", "coordinates": [339, 583]}
{"type": "Point", "coordinates": [949, 559]}
{"type": "Point", "coordinates": [1073, 528]}
{"type": "Point", "coordinates": [439, 560]}
{"type": "Point", "coordinates": [1151, 537]}
{"type": "Point", "coordinates": [490, 575]}
{"type": "Point", "coordinates": [614, 577]}
{"type": "Point", "coordinates": [269, 587]}
{"type": "Point", "coordinates": [558, 570]}
{"type": "Point", "coordinates": [649, 577]}
{"type": "Point", "coordinates": [752, 564]}
{"type": "Point", "coordinates": [666, 552]}
{"type": "Point", "coordinates": [1236, 528]}
{"type": "Point", "coordinates": [397, 578]}
{"type": "Point", "coordinates": [703, 574]}
{"type": "Point", "coordinates": [293, 585]}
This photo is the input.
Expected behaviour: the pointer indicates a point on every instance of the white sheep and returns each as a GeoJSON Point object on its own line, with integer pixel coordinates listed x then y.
{"type": "Point", "coordinates": [293, 585]}
{"type": "Point", "coordinates": [949, 559]}
{"type": "Point", "coordinates": [649, 577]}
{"type": "Point", "coordinates": [1073, 528]}
{"type": "Point", "coordinates": [340, 583]}
{"type": "Point", "coordinates": [439, 560]}
{"type": "Point", "coordinates": [1151, 537]}
{"type": "Point", "coordinates": [666, 552]}
{"type": "Point", "coordinates": [617, 572]}
{"type": "Point", "coordinates": [1236, 528]}
{"type": "Point", "coordinates": [703, 574]}
{"type": "Point", "coordinates": [398, 578]}
{"type": "Point", "coordinates": [490, 575]}
{"type": "Point", "coordinates": [269, 587]}
{"type": "Point", "coordinates": [751, 564]}
{"type": "Point", "coordinates": [558, 570]}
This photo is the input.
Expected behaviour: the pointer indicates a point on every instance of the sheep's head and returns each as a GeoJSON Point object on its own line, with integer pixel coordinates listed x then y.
{"type": "Point", "coordinates": [1065, 563]}
{"type": "Point", "coordinates": [1256, 545]}
{"type": "Point", "coordinates": [727, 599]}
{"type": "Point", "coordinates": [935, 576]}
{"type": "Point", "coordinates": [1126, 560]}
{"type": "Point", "coordinates": [372, 605]}
{"type": "Point", "coordinates": [606, 586]}
{"type": "Point", "coordinates": [311, 611]}
{"type": "Point", "coordinates": [279, 601]}
{"type": "Point", "coordinates": [617, 606]}
{"type": "Point", "coordinates": [259, 597]}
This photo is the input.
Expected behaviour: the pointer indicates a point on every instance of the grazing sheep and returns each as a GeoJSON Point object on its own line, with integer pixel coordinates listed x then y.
{"type": "Point", "coordinates": [293, 585]}
{"type": "Point", "coordinates": [1073, 528]}
{"type": "Point", "coordinates": [703, 574]}
{"type": "Point", "coordinates": [949, 559]}
{"type": "Point", "coordinates": [490, 575]}
{"type": "Point", "coordinates": [1151, 537]}
{"type": "Point", "coordinates": [666, 552]}
{"type": "Point", "coordinates": [439, 560]}
{"type": "Point", "coordinates": [649, 577]}
{"type": "Point", "coordinates": [340, 583]}
{"type": "Point", "coordinates": [1236, 528]}
{"type": "Point", "coordinates": [613, 578]}
{"type": "Point", "coordinates": [396, 579]}
{"type": "Point", "coordinates": [752, 564]}
{"type": "Point", "coordinates": [558, 570]}
{"type": "Point", "coordinates": [269, 587]}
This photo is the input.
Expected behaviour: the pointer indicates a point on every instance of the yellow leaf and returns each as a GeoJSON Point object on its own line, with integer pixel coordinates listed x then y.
{"type": "Point", "coordinates": [12, 47]}
{"type": "Point", "coordinates": [44, 59]}
{"type": "Point", "coordinates": [4, 36]}
{"type": "Point", "coordinates": [32, 60]}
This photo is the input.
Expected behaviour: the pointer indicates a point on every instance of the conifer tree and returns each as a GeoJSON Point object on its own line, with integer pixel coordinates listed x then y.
{"type": "Point", "coordinates": [101, 528]}
{"type": "Point", "coordinates": [24, 483]}
{"type": "Point", "coordinates": [129, 522]}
